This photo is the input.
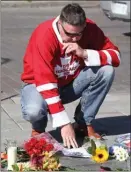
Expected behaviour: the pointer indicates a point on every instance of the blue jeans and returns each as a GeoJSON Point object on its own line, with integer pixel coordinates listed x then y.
{"type": "Point", "coordinates": [91, 85]}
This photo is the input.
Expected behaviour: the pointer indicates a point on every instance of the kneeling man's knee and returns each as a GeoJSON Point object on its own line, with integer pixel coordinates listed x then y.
{"type": "Point", "coordinates": [34, 113]}
{"type": "Point", "coordinates": [108, 72]}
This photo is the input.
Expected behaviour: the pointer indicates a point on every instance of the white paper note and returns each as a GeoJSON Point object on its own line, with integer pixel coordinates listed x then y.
{"type": "Point", "coordinates": [76, 152]}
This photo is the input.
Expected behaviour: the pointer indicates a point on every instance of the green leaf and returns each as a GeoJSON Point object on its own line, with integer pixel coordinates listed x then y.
{"type": "Point", "coordinates": [3, 163]}
{"type": "Point", "coordinates": [45, 165]}
{"type": "Point", "coordinates": [57, 158]}
{"type": "Point", "coordinates": [15, 167]}
{"type": "Point", "coordinates": [29, 169]}
{"type": "Point", "coordinates": [86, 139]}
{"type": "Point", "coordinates": [3, 160]}
{"type": "Point", "coordinates": [89, 150]}
{"type": "Point", "coordinates": [93, 145]}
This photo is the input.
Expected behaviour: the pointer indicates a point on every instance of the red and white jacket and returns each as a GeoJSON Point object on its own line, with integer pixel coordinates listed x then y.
{"type": "Point", "coordinates": [47, 66]}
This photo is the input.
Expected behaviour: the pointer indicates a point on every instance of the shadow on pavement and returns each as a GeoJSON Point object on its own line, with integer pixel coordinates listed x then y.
{"type": "Point", "coordinates": [56, 134]}
{"type": "Point", "coordinates": [113, 125]}
{"type": "Point", "coordinates": [104, 126]}
{"type": "Point", "coordinates": [127, 34]}
{"type": "Point", "coordinates": [5, 60]}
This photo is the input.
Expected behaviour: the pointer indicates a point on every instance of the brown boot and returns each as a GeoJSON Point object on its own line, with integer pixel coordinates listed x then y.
{"type": "Point", "coordinates": [92, 133]}
{"type": "Point", "coordinates": [80, 129]}
{"type": "Point", "coordinates": [34, 133]}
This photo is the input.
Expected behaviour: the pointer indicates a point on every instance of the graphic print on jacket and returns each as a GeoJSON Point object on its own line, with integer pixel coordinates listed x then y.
{"type": "Point", "coordinates": [67, 67]}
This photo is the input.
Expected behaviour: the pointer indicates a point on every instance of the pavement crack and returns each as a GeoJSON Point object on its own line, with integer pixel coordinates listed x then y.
{"type": "Point", "coordinates": [12, 119]}
{"type": "Point", "coordinates": [9, 97]}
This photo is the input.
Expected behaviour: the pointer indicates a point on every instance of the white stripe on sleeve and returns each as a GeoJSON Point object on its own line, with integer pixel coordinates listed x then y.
{"type": "Point", "coordinates": [117, 53]}
{"type": "Point", "coordinates": [93, 58]}
{"type": "Point", "coordinates": [52, 100]}
{"type": "Point", "coordinates": [46, 87]}
{"type": "Point", "coordinates": [59, 119]}
{"type": "Point", "coordinates": [109, 58]}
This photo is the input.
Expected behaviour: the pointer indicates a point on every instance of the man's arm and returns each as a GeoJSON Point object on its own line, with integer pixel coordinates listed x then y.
{"type": "Point", "coordinates": [103, 51]}
{"type": "Point", "coordinates": [46, 81]}
{"type": "Point", "coordinates": [46, 85]}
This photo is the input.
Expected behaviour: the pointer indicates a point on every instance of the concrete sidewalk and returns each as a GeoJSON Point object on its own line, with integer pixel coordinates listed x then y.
{"type": "Point", "coordinates": [113, 119]}
{"type": "Point", "coordinates": [85, 4]}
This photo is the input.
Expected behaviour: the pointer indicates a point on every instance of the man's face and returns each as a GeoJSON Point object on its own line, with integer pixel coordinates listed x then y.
{"type": "Point", "coordinates": [70, 33]}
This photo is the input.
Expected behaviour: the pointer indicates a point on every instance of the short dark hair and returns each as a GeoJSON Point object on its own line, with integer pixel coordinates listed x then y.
{"type": "Point", "coordinates": [73, 14]}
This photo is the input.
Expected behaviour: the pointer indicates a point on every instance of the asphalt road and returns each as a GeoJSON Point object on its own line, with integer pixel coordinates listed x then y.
{"type": "Point", "coordinates": [17, 26]}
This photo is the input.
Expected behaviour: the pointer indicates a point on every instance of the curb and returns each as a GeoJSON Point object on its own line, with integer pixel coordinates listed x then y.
{"type": "Point", "coordinates": [33, 4]}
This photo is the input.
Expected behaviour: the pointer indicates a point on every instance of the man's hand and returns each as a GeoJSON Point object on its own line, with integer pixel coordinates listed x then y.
{"type": "Point", "coordinates": [75, 49]}
{"type": "Point", "coordinates": [68, 135]}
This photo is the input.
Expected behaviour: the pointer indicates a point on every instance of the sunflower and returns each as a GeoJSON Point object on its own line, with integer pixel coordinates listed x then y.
{"type": "Point", "coordinates": [101, 155]}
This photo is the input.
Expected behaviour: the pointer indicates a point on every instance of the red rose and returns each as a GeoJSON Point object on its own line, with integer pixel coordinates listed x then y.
{"type": "Point", "coordinates": [33, 140]}
{"type": "Point", "coordinates": [42, 141]}
{"type": "Point", "coordinates": [30, 152]}
{"type": "Point", "coordinates": [49, 147]}
{"type": "Point", "coordinates": [36, 146]}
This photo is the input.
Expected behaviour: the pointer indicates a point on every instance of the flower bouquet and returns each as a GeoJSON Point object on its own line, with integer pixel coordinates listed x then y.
{"type": "Point", "coordinates": [36, 154]}
{"type": "Point", "coordinates": [119, 152]}
{"type": "Point", "coordinates": [97, 148]}
{"type": "Point", "coordinates": [41, 154]}
{"type": "Point", "coordinates": [101, 152]}
{"type": "Point", "coordinates": [124, 140]}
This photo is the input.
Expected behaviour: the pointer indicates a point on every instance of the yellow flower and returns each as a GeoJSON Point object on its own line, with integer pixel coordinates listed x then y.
{"type": "Point", "coordinates": [101, 155]}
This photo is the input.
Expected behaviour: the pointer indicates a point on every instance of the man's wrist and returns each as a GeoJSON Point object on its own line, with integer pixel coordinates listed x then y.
{"type": "Point", "coordinates": [65, 125]}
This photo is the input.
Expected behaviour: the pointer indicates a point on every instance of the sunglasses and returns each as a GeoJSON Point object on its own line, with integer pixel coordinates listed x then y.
{"type": "Point", "coordinates": [72, 34]}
